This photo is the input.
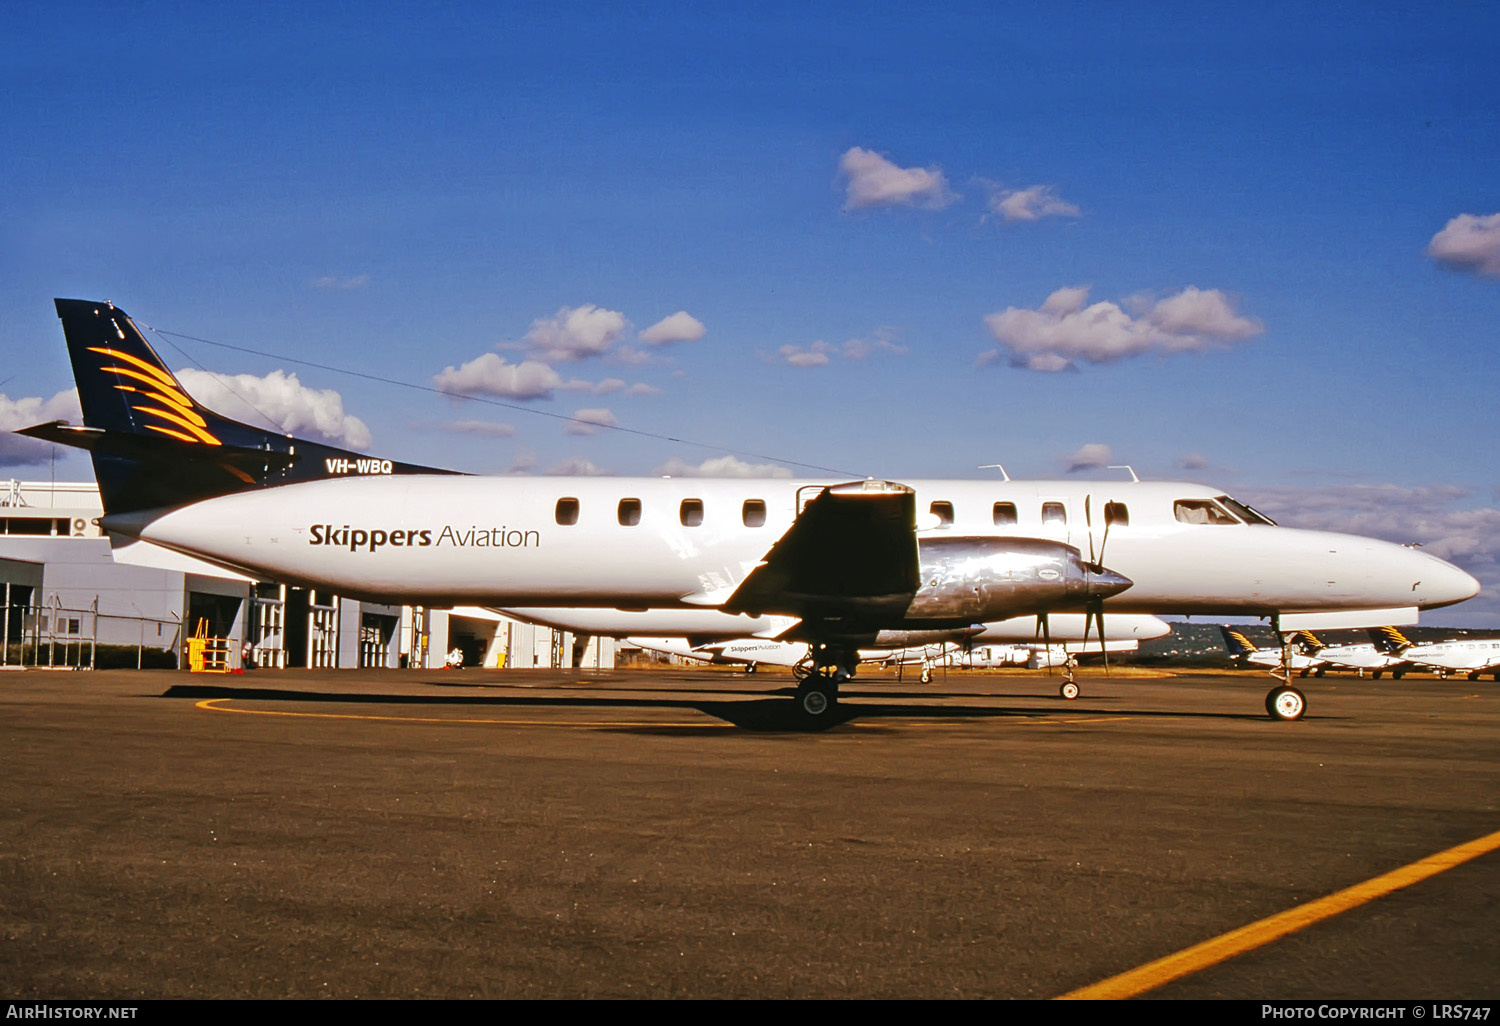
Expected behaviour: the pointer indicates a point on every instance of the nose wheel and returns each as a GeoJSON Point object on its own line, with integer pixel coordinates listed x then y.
{"type": "Point", "coordinates": [1286, 703]}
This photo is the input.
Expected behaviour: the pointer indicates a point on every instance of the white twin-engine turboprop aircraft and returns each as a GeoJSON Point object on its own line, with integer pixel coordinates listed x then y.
{"type": "Point", "coordinates": [847, 560]}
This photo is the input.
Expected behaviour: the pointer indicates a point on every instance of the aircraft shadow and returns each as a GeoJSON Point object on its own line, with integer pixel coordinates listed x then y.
{"type": "Point", "coordinates": [772, 712]}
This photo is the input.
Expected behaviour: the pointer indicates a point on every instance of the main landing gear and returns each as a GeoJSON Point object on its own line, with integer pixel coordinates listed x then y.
{"type": "Point", "coordinates": [818, 689]}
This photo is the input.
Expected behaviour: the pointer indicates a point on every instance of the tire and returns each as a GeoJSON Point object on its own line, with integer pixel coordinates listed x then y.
{"type": "Point", "coordinates": [926, 676]}
{"type": "Point", "coordinates": [1069, 690]}
{"type": "Point", "coordinates": [816, 701]}
{"type": "Point", "coordinates": [1286, 704]}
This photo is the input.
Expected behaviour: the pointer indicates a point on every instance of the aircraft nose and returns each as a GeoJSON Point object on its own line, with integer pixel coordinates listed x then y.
{"type": "Point", "coordinates": [1443, 584]}
{"type": "Point", "coordinates": [1102, 582]}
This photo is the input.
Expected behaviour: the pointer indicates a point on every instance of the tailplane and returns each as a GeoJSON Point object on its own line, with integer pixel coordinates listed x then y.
{"type": "Point", "coordinates": [153, 445]}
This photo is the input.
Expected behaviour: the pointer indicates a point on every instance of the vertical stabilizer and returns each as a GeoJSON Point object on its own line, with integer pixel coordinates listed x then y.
{"type": "Point", "coordinates": [153, 445]}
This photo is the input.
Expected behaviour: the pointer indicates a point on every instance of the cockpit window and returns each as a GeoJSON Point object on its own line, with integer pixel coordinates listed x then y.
{"type": "Point", "coordinates": [1201, 511]}
{"type": "Point", "coordinates": [1249, 514]}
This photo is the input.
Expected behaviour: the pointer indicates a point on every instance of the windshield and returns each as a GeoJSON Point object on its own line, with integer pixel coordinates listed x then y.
{"type": "Point", "coordinates": [1249, 514]}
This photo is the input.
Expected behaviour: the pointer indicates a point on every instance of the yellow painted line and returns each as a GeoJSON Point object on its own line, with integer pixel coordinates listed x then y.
{"type": "Point", "coordinates": [1247, 938]}
{"type": "Point", "coordinates": [211, 704]}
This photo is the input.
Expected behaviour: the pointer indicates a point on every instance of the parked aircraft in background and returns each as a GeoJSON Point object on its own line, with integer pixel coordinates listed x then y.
{"type": "Point", "coordinates": [752, 652]}
{"type": "Point", "coordinates": [698, 633]}
{"type": "Point", "coordinates": [849, 560]}
{"type": "Point", "coordinates": [1471, 657]}
{"type": "Point", "coordinates": [1363, 658]}
{"type": "Point", "coordinates": [1244, 652]}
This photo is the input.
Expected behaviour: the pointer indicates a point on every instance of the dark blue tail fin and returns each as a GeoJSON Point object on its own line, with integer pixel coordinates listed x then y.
{"type": "Point", "coordinates": [1239, 646]}
{"type": "Point", "coordinates": [153, 445]}
{"type": "Point", "coordinates": [1389, 640]}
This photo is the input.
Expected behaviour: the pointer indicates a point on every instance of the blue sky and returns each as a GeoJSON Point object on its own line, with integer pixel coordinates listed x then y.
{"type": "Point", "coordinates": [1244, 216]}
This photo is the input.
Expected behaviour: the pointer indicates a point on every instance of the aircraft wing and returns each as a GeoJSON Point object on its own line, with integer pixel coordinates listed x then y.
{"type": "Point", "coordinates": [850, 554]}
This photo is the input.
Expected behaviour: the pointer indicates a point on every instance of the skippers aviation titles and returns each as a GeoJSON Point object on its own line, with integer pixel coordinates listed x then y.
{"type": "Point", "coordinates": [846, 562]}
{"type": "Point", "coordinates": [356, 538]}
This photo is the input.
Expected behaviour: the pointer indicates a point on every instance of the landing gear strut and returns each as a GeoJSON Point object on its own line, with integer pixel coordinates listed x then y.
{"type": "Point", "coordinates": [1285, 702]}
{"type": "Point", "coordinates": [1069, 688]}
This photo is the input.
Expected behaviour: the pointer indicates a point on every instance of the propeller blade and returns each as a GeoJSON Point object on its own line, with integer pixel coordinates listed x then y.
{"type": "Point", "coordinates": [1088, 522]}
{"type": "Point", "coordinates": [1103, 639]}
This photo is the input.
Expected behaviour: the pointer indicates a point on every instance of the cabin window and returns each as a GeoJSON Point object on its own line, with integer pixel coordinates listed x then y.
{"type": "Point", "coordinates": [1116, 513]}
{"type": "Point", "coordinates": [944, 512]}
{"type": "Point", "coordinates": [1054, 513]}
{"type": "Point", "coordinates": [754, 513]}
{"type": "Point", "coordinates": [1005, 513]}
{"type": "Point", "coordinates": [691, 512]}
{"type": "Point", "coordinates": [1201, 511]}
{"type": "Point", "coordinates": [567, 511]}
{"type": "Point", "coordinates": [630, 512]}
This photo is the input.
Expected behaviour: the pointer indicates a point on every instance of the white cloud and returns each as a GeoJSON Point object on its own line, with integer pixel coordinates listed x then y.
{"type": "Point", "coordinates": [873, 181]}
{"type": "Point", "coordinates": [577, 466]}
{"type": "Point", "coordinates": [821, 353]}
{"type": "Point", "coordinates": [1193, 461]}
{"type": "Point", "coordinates": [607, 386]}
{"type": "Point", "coordinates": [1469, 243]}
{"type": "Point", "coordinates": [355, 281]}
{"type": "Point", "coordinates": [588, 422]}
{"type": "Point", "coordinates": [483, 428]}
{"type": "Point", "coordinates": [492, 374]}
{"type": "Point", "coordinates": [815, 355]}
{"type": "Point", "coordinates": [18, 450]}
{"type": "Point", "coordinates": [641, 388]}
{"type": "Point", "coordinates": [1089, 457]}
{"type": "Point", "coordinates": [720, 466]}
{"type": "Point", "coordinates": [680, 327]}
{"type": "Point", "coordinates": [576, 333]}
{"type": "Point", "coordinates": [1064, 329]}
{"type": "Point", "coordinates": [295, 408]}
{"type": "Point", "coordinates": [1031, 204]}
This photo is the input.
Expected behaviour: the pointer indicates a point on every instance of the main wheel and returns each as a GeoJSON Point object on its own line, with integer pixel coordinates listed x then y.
{"type": "Point", "coordinates": [1069, 690]}
{"type": "Point", "coordinates": [1286, 704]}
{"type": "Point", "coordinates": [815, 698]}
{"type": "Point", "coordinates": [750, 668]}
{"type": "Point", "coordinates": [926, 675]}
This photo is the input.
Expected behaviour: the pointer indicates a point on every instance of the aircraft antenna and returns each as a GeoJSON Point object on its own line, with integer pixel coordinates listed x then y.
{"type": "Point", "coordinates": [1128, 467]}
{"type": "Point", "coordinates": [995, 466]}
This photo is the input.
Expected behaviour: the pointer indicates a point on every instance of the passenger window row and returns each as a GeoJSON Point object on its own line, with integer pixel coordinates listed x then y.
{"type": "Point", "coordinates": [689, 512]}
{"type": "Point", "coordinates": [1004, 513]}
{"type": "Point", "coordinates": [753, 513]}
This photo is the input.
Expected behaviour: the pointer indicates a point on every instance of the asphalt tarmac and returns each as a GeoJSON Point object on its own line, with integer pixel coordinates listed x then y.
{"type": "Point", "coordinates": [505, 834]}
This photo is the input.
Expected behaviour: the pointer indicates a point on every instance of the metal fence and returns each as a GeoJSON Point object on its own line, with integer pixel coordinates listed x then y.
{"type": "Point", "coordinates": [58, 636]}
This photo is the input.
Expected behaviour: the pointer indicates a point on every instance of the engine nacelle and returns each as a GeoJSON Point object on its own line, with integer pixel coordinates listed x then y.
{"type": "Point", "coordinates": [982, 579]}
